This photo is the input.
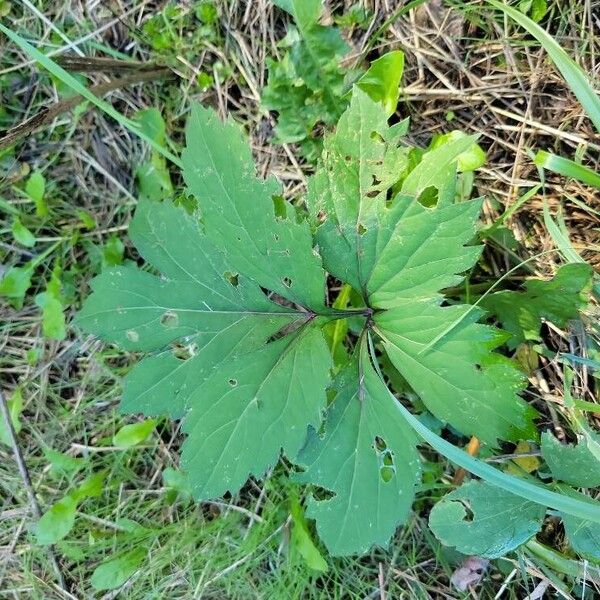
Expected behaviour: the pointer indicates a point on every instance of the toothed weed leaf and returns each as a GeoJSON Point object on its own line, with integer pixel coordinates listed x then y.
{"type": "Point", "coordinates": [230, 309]}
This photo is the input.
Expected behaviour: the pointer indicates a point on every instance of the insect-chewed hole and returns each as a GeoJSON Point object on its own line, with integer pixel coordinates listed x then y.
{"type": "Point", "coordinates": [375, 135]}
{"type": "Point", "coordinates": [232, 382]}
{"type": "Point", "coordinates": [478, 367]}
{"type": "Point", "coordinates": [169, 319]}
{"type": "Point", "coordinates": [287, 282]}
{"type": "Point", "coordinates": [183, 352]}
{"type": "Point", "coordinates": [385, 456]}
{"type": "Point", "coordinates": [361, 229]}
{"type": "Point", "coordinates": [279, 207]}
{"type": "Point", "coordinates": [233, 278]}
{"type": "Point", "coordinates": [469, 516]}
{"type": "Point", "coordinates": [428, 197]}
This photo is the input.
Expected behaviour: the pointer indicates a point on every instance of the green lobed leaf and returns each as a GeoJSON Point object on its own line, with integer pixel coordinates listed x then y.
{"type": "Point", "coordinates": [577, 464]}
{"type": "Point", "coordinates": [210, 324]}
{"type": "Point", "coordinates": [238, 350]}
{"type": "Point", "coordinates": [479, 519]}
{"type": "Point", "coordinates": [238, 213]}
{"type": "Point", "coordinates": [251, 408]}
{"type": "Point", "coordinates": [556, 300]}
{"type": "Point", "coordinates": [367, 457]}
{"type": "Point", "coordinates": [460, 380]}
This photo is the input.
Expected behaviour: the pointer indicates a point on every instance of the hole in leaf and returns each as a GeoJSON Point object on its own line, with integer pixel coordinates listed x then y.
{"type": "Point", "coordinates": [469, 516]}
{"type": "Point", "coordinates": [169, 319]}
{"type": "Point", "coordinates": [279, 207]}
{"type": "Point", "coordinates": [348, 158]}
{"type": "Point", "coordinates": [386, 459]}
{"type": "Point", "coordinates": [376, 181]}
{"type": "Point", "coordinates": [233, 278]}
{"type": "Point", "coordinates": [428, 197]}
{"type": "Point", "coordinates": [375, 135]}
{"type": "Point", "coordinates": [183, 352]}
{"type": "Point", "coordinates": [478, 367]}
{"type": "Point", "coordinates": [361, 229]}
{"type": "Point", "coordinates": [372, 194]}
{"type": "Point", "coordinates": [286, 330]}
{"type": "Point", "coordinates": [386, 473]}
{"type": "Point", "coordinates": [321, 216]}
{"type": "Point", "coordinates": [321, 494]}
{"type": "Point", "coordinates": [380, 445]}
{"type": "Point", "coordinates": [287, 282]}
{"type": "Point", "coordinates": [233, 382]}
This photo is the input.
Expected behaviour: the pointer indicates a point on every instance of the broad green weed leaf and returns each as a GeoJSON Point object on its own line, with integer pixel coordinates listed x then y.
{"type": "Point", "coordinates": [306, 86]}
{"type": "Point", "coordinates": [21, 234]}
{"type": "Point", "coordinates": [479, 519]}
{"type": "Point", "coordinates": [219, 371]}
{"type": "Point", "coordinates": [382, 80]}
{"type": "Point", "coordinates": [469, 160]}
{"type": "Point", "coordinates": [90, 487]}
{"type": "Point", "coordinates": [238, 213]}
{"type": "Point", "coordinates": [557, 300]}
{"type": "Point", "coordinates": [577, 464]}
{"type": "Point", "coordinates": [459, 379]}
{"type": "Point", "coordinates": [63, 464]}
{"type": "Point", "coordinates": [53, 319]}
{"type": "Point", "coordinates": [177, 484]}
{"type": "Point", "coordinates": [367, 457]}
{"type": "Point", "coordinates": [134, 434]}
{"type": "Point", "coordinates": [51, 303]}
{"type": "Point", "coordinates": [347, 195]}
{"type": "Point", "coordinates": [306, 13]}
{"type": "Point", "coordinates": [251, 408]}
{"type": "Point", "coordinates": [113, 573]}
{"type": "Point", "coordinates": [112, 252]}
{"type": "Point", "coordinates": [153, 176]}
{"type": "Point", "coordinates": [35, 188]}
{"type": "Point", "coordinates": [15, 283]}
{"type": "Point", "coordinates": [583, 535]}
{"type": "Point", "coordinates": [536, 9]}
{"type": "Point", "coordinates": [56, 523]}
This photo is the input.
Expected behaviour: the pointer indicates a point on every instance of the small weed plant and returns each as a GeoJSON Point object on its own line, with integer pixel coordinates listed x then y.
{"type": "Point", "coordinates": [244, 346]}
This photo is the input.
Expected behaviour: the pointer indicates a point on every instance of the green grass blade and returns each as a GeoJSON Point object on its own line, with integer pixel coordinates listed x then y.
{"type": "Point", "coordinates": [566, 167]}
{"type": "Point", "coordinates": [80, 89]}
{"type": "Point", "coordinates": [574, 75]}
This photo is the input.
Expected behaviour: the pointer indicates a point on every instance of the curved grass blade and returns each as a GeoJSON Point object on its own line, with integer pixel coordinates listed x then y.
{"type": "Point", "coordinates": [566, 167]}
{"type": "Point", "coordinates": [574, 75]}
{"type": "Point", "coordinates": [520, 487]}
